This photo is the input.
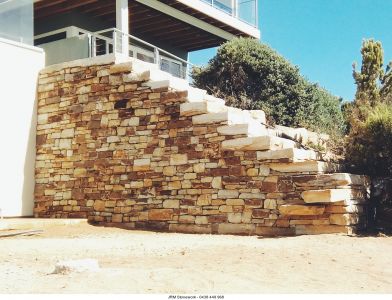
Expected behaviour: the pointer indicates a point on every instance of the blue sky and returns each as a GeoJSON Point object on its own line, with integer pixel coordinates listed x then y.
{"type": "Point", "coordinates": [322, 37]}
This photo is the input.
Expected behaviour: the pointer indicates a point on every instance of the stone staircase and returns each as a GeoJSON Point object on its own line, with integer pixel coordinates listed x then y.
{"type": "Point", "coordinates": [246, 130]}
{"type": "Point", "coordinates": [232, 174]}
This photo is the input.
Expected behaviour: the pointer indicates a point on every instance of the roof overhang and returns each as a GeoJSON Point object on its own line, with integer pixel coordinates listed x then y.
{"type": "Point", "coordinates": [184, 24]}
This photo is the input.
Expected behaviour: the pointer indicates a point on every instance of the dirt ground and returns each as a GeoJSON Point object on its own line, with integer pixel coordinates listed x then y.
{"type": "Point", "coordinates": [147, 262]}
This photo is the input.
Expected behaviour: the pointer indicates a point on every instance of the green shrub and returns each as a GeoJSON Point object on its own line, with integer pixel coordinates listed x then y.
{"type": "Point", "coordinates": [369, 151]}
{"type": "Point", "coordinates": [250, 75]}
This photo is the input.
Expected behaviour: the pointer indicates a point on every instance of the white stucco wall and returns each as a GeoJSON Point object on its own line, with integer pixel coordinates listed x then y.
{"type": "Point", "coordinates": [19, 67]}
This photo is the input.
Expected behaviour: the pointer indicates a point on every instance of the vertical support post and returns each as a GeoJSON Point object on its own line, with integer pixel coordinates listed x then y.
{"type": "Point", "coordinates": [122, 24]}
{"type": "Point", "coordinates": [94, 46]}
{"type": "Point", "coordinates": [156, 57]}
{"type": "Point", "coordinates": [233, 8]}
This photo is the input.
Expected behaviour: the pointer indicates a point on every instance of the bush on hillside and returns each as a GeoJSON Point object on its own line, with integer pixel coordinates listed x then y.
{"type": "Point", "coordinates": [370, 149]}
{"type": "Point", "coordinates": [250, 75]}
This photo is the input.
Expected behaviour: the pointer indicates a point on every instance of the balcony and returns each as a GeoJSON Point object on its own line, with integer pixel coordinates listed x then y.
{"type": "Point", "coordinates": [244, 10]}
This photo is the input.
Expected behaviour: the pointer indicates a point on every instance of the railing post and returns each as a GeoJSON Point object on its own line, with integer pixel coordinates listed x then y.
{"type": "Point", "coordinates": [90, 51]}
{"type": "Point", "coordinates": [114, 42]}
{"type": "Point", "coordinates": [94, 46]}
{"type": "Point", "coordinates": [156, 56]}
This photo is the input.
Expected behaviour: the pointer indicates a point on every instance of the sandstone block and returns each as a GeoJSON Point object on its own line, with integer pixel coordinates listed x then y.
{"type": "Point", "coordinates": [344, 219]}
{"type": "Point", "coordinates": [242, 229]}
{"type": "Point", "coordinates": [141, 164]}
{"type": "Point", "coordinates": [275, 231]}
{"type": "Point", "coordinates": [99, 205]}
{"type": "Point", "coordinates": [67, 133]}
{"type": "Point", "coordinates": [117, 218]}
{"type": "Point", "coordinates": [322, 229]}
{"type": "Point", "coordinates": [216, 183]}
{"type": "Point", "coordinates": [306, 166]}
{"type": "Point", "coordinates": [235, 202]}
{"type": "Point", "coordinates": [171, 204]}
{"type": "Point", "coordinates": [257, 143]}
{"type": "Point", "coordinates": [160, 214]}
{"type": "Point", "coordinates": [80, 172]}
{"type": "Point", "coordinates": [201, 220]}
{"type": "Point", "coordinates": [301, 210]}
{"type": "Point", "coordinates": [169, 171]}
{"type": "Point", "coordinates": [234, 217]}
{"type": "Point", "coordinates": [326, 196]}
{"type": "Point", "coordinates": [224, 194]}
{"type": "Point", "coordinates": [189, 228]}
{"type": "Point", "coordinates": [178, 159]}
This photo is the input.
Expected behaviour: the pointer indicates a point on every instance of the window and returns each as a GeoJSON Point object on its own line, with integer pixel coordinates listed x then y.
{"type": "Point", "coordinates": [16, 20]}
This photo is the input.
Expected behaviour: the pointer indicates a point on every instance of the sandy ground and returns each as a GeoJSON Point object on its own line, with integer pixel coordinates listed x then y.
{"type": "Point", "coordinates": [147, 262]}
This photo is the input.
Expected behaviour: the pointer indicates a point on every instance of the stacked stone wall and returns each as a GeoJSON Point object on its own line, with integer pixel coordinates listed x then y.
{"type": "Point", "coordinates": [120, 153]}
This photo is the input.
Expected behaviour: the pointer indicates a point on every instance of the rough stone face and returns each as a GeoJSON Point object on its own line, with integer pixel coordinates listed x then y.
{"type": "Point", "coordinates": [121, 151]}
{"type": "Point", "coordinates": [327, 196]}
{"type": "Point", "coordinates": [301, 210]}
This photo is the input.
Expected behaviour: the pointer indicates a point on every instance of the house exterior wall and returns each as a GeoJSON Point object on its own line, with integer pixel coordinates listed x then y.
{"type": "Point", "coordinates": [19, 69]}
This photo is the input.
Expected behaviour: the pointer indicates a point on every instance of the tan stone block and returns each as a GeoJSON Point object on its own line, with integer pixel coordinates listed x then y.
{"type": "Point", "coordinates": [80, 172]}
{"type": "Point", "coordinates": [141, 164]}
{"type": "Point", "coordinates": [65, 144]}
{"type": "Point", "coordinates": [169, 171]}
{"type": "Point", "coordinates": [224, 194]}
{"type": "Point", "coordinates": [199, 168]}
{"type": "Point", "coordinates": [67, 133]}
{"type": "Point", "coordinates": [340, 209]}
{"type": "Point", "coordinates": [99, 205]}
{"type": "Point", "coordinates": [251, 196]}
{"type": "Point", "coordinates": [174, 185]}
{"type": "Point", "coordinates": [326, 196]}
{"type": "Point", "coordinates": [322, 229]}
{"type": "Point", "coordinates": [344, 219]}
{"type": "Point", "coordinates": [235, 202]}
{"type": "Point", "coordinates": [137, 184]}
{"type": "Point", "coordinates": [117, 218]}
{"type": "Point", "coordinates": [134, 121]}
{"type": "Point", "coordinates": [203, 200]}
{"type": "Point", "coordinates": [160, 214]}
{"type": "Point", "coordinates": [228, 228]}
{"type": "Point", "coordinates": [186, 219]}
{"type": "Point", "coordinates": [188, 176]}
{"type": "Point", "coordinates": [252, 172]}
{"type": "Point", "coordinates": [225, 208]}
{"type": "Point", "coordinates": [171, 204]}
{"type": "Point", "coordinates": [234, 217]}
{"type": "Point", "coordinates": [178, 159]}
{"type": "Point", "coordinates": [301, 210]}
{"type": "Point", "coordinates": [201, 220]}
{"type": "Point", "coordinates": [110, 203]}
{"type": "Point", "coordinates": [189, 228]}
{"type": "Point", "coordinates": [270, 204]}
{"type": "Point", "coordinates": [118, 68]}
{"type": "Point", "coordinates": [216, 183]}
{"type": "Point", "coordinates": [275, 231]}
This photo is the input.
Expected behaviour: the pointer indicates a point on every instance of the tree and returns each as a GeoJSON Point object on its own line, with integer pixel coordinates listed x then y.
{"type": "Point", "coordinates": [368, 80]}
{"type": "Point", "coordinates": [250, 75]}
{"type": "Point", "coordinates": [369, 143]}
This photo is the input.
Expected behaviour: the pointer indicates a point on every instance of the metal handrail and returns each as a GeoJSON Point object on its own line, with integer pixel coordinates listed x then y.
{"type": "Point", "coordinates": [113, 41]}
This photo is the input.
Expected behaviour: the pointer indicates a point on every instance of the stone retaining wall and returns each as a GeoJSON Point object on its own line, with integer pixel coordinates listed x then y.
{"type": "Point", "coordinates": [112, 149]}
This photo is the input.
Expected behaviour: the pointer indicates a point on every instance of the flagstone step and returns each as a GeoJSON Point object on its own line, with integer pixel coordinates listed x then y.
{"type": "Point", "coordinates": [257, 143]}
{"type": "Point", "coordinates": [290, 154]}
{"type": "Point", "coordinates": [327, 195]}
{"type": "Point", "coordinates": [199, 108]}
{"type": "Point", "coordinates": [309, 166]}
{"type": "Point", "coordinates": [251, 129]}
